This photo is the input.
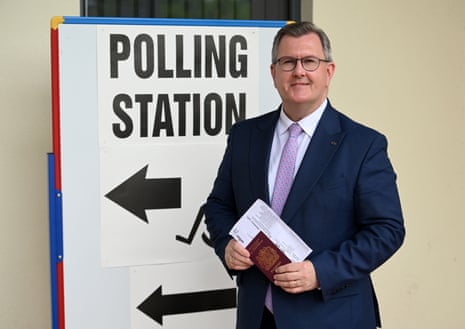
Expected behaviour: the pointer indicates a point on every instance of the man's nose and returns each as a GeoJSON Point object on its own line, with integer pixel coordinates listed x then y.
{"type": "Point", "coordinates": [299, 69]}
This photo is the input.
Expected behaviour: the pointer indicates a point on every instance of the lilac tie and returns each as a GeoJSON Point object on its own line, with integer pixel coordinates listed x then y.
{"type": "Point", "coordinates": [283, 183]}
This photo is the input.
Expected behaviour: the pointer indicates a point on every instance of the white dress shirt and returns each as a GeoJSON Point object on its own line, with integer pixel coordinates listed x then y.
{"type": "Point", "coordinates": [308, 125]}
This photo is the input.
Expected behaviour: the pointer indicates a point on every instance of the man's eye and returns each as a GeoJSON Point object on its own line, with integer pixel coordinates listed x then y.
{"type": "Point", "coordinates": [310, 60]}
{"type": "Point", "coordinates": [287, 61]}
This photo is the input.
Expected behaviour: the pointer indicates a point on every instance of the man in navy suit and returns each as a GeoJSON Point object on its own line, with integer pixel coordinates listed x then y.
{"type": "Point", "coordinates": [343, 202]}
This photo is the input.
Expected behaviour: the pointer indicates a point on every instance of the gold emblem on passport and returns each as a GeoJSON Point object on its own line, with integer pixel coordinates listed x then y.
{"type": "Point", "coordinates": [267, 258]}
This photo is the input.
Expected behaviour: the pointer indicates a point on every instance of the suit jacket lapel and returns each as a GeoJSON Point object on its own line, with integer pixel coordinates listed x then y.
{"type": "Point", "coordinates": [261, 139]}
{"type": "Point", "coordinates": [324, 144]}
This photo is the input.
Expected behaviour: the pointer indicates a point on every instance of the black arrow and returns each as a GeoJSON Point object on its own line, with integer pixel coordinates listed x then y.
{"type": "Point", "coordinates": [137, 193]}
{"type": "Point", "coordinates": [158, 305]}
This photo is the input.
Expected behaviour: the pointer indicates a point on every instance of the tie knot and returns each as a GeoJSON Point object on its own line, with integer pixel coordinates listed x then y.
{"type": "Point", "coordinates": [294, 130]}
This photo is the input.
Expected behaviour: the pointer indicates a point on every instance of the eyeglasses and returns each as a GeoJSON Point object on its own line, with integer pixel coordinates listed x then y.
{"type": "Point", "coordinates": [309, 63]}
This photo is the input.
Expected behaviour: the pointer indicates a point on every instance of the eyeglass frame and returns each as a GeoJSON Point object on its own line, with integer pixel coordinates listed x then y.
{"type": "Point", "coordinates": [295, 59]}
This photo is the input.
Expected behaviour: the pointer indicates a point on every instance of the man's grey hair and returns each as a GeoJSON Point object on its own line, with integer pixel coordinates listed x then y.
{"type": "Point", "coordinates": [298, 29]}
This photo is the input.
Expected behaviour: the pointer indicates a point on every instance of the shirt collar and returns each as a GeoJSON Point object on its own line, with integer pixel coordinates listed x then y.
{"type": "Point", "coordinates": [308, 123]}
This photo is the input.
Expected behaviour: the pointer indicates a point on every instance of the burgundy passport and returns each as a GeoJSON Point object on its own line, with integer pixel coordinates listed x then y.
{"type": "Point", "coordinates": [266, 255]}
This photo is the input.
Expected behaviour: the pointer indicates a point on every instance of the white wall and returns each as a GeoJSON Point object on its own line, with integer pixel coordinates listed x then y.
{"type": "Point", "coordinates": [401, 69]}
{"type": "Point", "coordinates": [25, 139]}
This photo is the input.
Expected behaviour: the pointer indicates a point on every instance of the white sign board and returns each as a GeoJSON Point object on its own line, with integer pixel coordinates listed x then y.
{"type": "Point", "coordinates": [145, 110]}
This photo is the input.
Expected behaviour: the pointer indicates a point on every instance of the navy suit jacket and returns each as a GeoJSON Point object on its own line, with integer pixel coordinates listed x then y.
{"type": "Point", "coordinates": [344, 204]}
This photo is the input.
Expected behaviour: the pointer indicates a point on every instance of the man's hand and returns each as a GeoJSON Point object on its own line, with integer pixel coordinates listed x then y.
{"type": "Point", "coordinates": [295, 278]}
{"type": "Point", "coordinates": [236, 256]}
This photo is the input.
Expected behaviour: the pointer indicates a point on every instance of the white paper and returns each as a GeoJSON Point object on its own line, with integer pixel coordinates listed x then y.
{"type": "Point", "coordinates": [260, 217]}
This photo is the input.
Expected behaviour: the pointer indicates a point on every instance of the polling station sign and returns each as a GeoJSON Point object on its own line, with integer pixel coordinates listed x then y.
{"type": "Point", "coordinates": [175, 84]}
{"type": "Point", "coordinates": [168, 96]}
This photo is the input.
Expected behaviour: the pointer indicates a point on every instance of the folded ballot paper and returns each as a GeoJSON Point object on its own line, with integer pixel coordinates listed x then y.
{"type": "Point", "coordinates": [270, 241]}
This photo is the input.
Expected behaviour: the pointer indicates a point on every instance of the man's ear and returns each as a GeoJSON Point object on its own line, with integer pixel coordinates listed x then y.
{"type": "Point", "coordinates": [330, 69]}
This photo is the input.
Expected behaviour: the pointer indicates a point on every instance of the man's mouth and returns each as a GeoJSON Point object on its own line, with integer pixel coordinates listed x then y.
{"type": "Point", "coordinates": [296, 84]}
